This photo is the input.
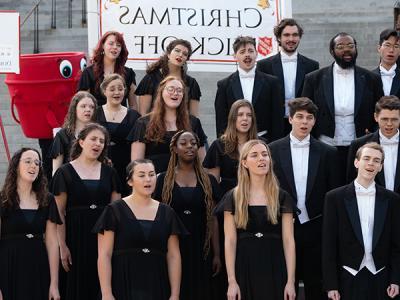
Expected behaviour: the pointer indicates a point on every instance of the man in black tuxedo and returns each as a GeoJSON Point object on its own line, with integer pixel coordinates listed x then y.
{"type": "Point", "coordinates": [388, 70]}
{"type": "Point", "coordinates": [387, 115]}
{"type": "Point", "coordinates": [361, 229]}
{"type": "Point", "coordinates": [288, 65]}
{"type": "Point", "coordinates": [262, 90]}
{"type": "Point", "coordinates": [306, 169]}
{"type": "Point", "coordinates": [345, 95]}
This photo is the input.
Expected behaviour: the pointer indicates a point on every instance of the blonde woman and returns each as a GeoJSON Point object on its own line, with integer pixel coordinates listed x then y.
{"type": "Point", "coordinates": [258, 225]}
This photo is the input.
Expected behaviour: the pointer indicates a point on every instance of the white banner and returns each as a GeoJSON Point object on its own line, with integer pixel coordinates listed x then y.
{"type": "Point", "coordinates": [9, 42]}
{"type": "Point", "coordinates": [209, 25]}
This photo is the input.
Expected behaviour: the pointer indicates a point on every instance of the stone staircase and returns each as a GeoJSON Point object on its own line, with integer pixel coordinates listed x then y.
{"type": "Point", "coordinates": [321, 19]}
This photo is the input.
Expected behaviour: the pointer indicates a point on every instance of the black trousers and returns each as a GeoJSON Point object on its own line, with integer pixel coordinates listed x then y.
{"type": "Point", "coordinates": [308, 258]}
{"type": "Point", "coordinates": [363, 286]}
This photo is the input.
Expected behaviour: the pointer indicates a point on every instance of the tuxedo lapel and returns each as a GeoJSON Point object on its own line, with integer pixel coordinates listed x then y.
{"type": "Point", "coordinates": [327, 80]}
{"type": "Point", "coordinates": [300, 73]}
{"type": "Point", "coordinates": [397, 173]}
{"type": "Point", "coordinates": [380, 177]}
{"type": "Point", "coordinates": [381, 205]}
{"type": "Point", "coordinates": [313, 165]}
{"type": "Point", "coordinates": [359, 83]}
{"type": "Point", "coordinates": [277, 68]}
{"type": "Point", "coordinates": [286, 163]}
{"type": "Point", "coordinates": [258, 82]}
{"type": "Point", "coordinates": [236, 87]}
{"type": "Point", "coordinates": [350, 203]}
{"type": "Point", "coordinates": [394, 90]}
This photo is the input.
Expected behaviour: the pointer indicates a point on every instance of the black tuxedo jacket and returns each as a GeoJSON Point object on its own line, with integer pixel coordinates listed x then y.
{"type": "Point", "coordinates": [380, 177]}
{"type": "Point", "coordinates": [318, 86]}
{"type": "Point", "coordinates": [322, 172]}
{"type": "Point", "coordinates": [395, 89]}
{"type": "Point", "coordinates": [273, 65]}
{"type": "Point", "coordinates": [342, 240]}
{"type": "Point", "coordinates": [267, 101]}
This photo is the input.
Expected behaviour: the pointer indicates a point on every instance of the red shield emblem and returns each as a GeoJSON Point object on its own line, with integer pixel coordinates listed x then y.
{"type": "Point", "coordinates": [264, 45]}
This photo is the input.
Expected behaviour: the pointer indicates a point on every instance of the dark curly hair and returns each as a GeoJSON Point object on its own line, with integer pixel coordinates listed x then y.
{"type": "Point", "coordinates": [9, 197]}
{"type": "Point", "coordinates": [77, 149]}
{"type": "Point", "coordinates": [162, 63]}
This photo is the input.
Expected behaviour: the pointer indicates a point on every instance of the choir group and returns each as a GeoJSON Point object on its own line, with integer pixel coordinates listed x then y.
{"type": "Point", "coordinates": [132, 203]}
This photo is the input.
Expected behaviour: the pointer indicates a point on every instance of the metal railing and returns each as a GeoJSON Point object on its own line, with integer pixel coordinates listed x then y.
{"type": "Point", "coordinates": [35, 12]}
{"type": "Point", "coordinates": [83, 11]}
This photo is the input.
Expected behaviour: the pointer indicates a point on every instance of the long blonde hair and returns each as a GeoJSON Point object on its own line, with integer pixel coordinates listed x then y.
{"type": "Point", "coordinates": [241, 192]}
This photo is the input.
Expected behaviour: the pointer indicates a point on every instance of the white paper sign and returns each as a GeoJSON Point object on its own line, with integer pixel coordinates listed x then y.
{"type": "Point", "coordinates": [209, 25]}
{"type": "Point", "coordinates": [9, 42]}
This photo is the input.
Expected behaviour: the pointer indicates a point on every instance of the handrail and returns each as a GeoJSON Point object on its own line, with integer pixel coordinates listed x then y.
{"type": "Point", "coordinates": [30, 12]}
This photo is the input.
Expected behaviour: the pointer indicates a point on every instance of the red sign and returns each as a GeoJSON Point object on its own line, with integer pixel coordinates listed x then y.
{"type": "Point", "coordinates": [264, 45]}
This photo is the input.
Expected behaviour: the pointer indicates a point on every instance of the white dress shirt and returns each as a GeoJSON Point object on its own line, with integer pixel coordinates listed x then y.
{"type": "Point", "coordinates": [387, 78]}
{"type": "Point", "coordinates": [247, 82]}
{"type": "Point", "coordinates": [289, 67]}
{"type": "Point", "coordinates": [300, 151]}
{"type": "Point", "coordinates": [344, 94]}
{"type": "Point", "coordinates": [390, 147]}
{"type": "Point", "coordinates": [366, 209]}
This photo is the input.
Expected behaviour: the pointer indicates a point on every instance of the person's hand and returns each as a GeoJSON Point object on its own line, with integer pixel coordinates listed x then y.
{"type": "Point", "coordinates": [1, 295]}
{"type": "Point", "coordinates": [334, 295]}
{"type": "Point", "coordinates": [393, 290]}
{"type": "Point", "coordinates": [66, 259]}
{"type": "Point", "coordinates": [289, 292]}
{"type": "Point", "coordinates": [216, 265]}
{"type": "Point", "coordinates": [233, 291]}
{"type": "Point", "coordinates": [173, 297]}
{"type": "Point", "coordinates": [54, 293]}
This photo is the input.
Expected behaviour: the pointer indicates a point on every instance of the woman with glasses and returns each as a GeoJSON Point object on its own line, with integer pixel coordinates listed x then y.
{"type": "Point", "coordinates": [172, 63]}
{"type": "Point", "coordinates": [82, 188]}
{"type": "Point", "coordinates": [119, 121]}
{"type": "Point", "coordinates": [153, 132]}
{"type": "Point", "coordinates": [28, 231]}
{"type": "Point", "coordinates": [109, 56]}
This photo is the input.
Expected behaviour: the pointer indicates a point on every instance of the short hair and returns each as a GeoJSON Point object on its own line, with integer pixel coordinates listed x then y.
{"type": "Point", "coordinates": [278, 29]}
{"type": "Point", "coordinates": [371, 145]}
{"type": "Point", "coordinates": [242, 41]}
{"type": "Point", "coordinates": [332, 41]}
{"type": "Point", "coordinates": [387, 102]}
{"type": "Point", "coordinates": [302, 103]}
{"type": "Point", "coordinates": [387, 34]}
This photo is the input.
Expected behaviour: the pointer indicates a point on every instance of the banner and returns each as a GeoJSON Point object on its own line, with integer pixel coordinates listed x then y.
{"type": "Point", "coordinates": [9, 42]}
{"type": "Point", "coordinates": [210, 26]}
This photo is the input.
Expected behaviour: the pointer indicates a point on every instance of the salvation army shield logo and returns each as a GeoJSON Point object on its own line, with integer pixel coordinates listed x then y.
{"type": "Point", "coordinates": [264, 45]}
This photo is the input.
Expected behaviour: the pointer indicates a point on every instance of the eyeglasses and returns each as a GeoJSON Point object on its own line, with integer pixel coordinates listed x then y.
{"type": "Point", "coordinates": [179, 51]}
{"type": "Point", "coordinates": [172, 90]}
{"type": "Point", "coordinates": [340, 47]}
{"type": "Point", "coordinates": [390, 46]}
{"type": "Point", "coordinates": [29, 161]}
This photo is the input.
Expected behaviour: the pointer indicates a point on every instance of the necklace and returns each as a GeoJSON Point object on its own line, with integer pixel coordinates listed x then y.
{"type": "Point", "coordinates": [113, 115]}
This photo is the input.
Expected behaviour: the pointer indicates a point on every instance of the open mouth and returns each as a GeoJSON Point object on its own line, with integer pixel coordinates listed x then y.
{"type": "Point", "coordinates": [179, 60]}
{"type": "Point", "coordinates": [147, 186]}
{"type": "Point", "coordinates": [247, 60]}
{"type": "Point", "coordinates": [262, 165]}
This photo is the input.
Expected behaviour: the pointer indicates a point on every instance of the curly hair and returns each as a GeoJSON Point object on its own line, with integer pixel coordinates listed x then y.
{"type": "Point", "coordinates": [9, 197]}
{"type": "Point", "coordinates": [76, 149]}
{"type": "Point", "coordinates": [70, 119]}
{"type": "Point", "coordinates": [156, 127]}
{"type": "Point", "coordinates": [202, 177]}
{"type": "Point", "coordinates": [98, 57]}
{"type": "Point", "coordinates": [162, 62]}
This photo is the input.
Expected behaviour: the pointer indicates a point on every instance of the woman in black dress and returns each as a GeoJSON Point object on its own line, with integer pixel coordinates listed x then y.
{"type": "Point", "coordinates": [81, 111]}
{"type": "Point", "coordinates": [109, 56]}
{"type": "Point", "coordinates": [28, 236]}
{"type": "Point", "coordinates": [222, 158]}
{"type": "Point", "coordinates": [190, 191]}
{"type": "Point", "coordinates": [172, 63]}
{"type": "Point", "coordinates": [119, 121]}
{"type": "Point", "coordinates": [152, 133]}
{"type": "Point", "coordinates": [258, 223]}
{"type": "Point", "coordinates": [83, 187]}
{"type": "Point", "coordinates": [138, 243]}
